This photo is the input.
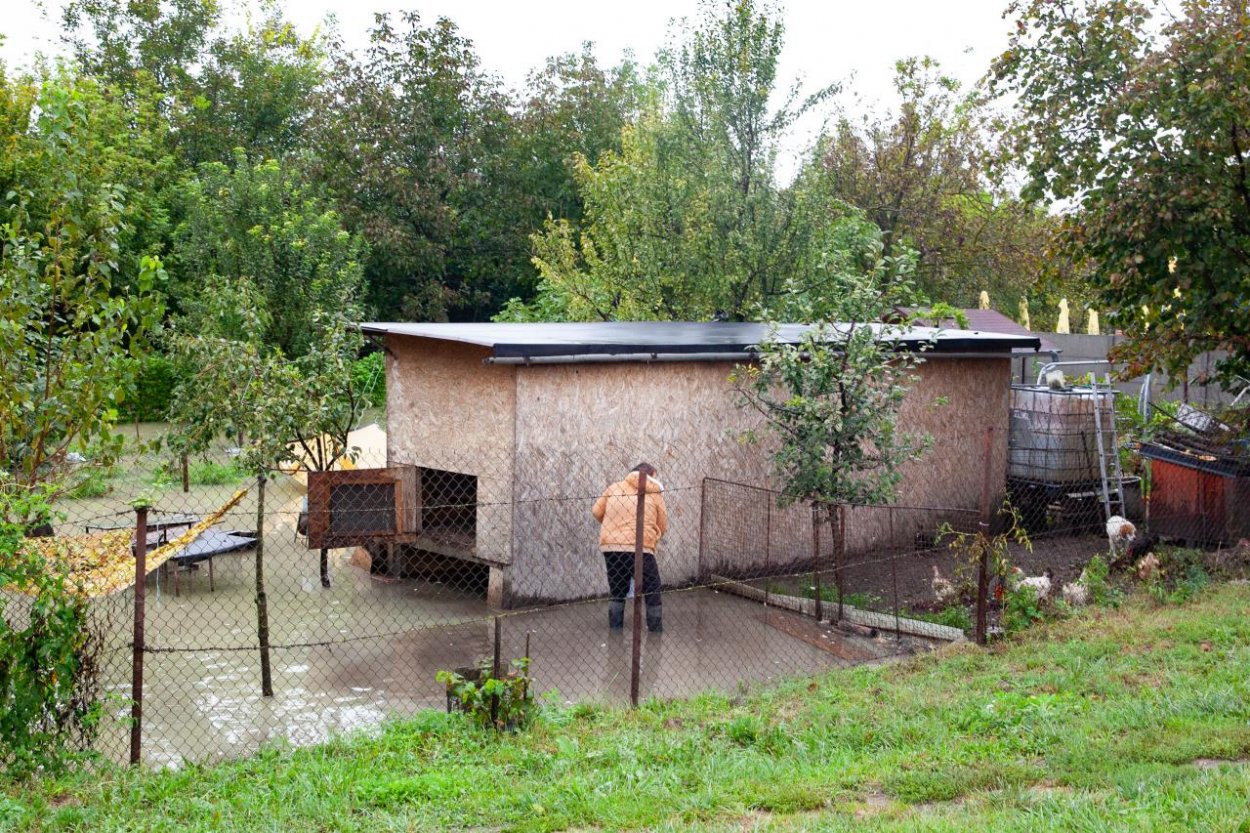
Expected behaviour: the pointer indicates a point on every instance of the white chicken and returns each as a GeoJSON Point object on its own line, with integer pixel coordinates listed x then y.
{"type": "Point", "coordinates": [943, 588]}
{"type": "Point", "coordinates": [1075, 594]}
{"type": "Point", "coordinates": [1040, 585]}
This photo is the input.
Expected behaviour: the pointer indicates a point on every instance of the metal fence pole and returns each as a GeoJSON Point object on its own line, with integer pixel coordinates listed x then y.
{"type": "Point", "coordinates": [983, 579]}
{"type": "Point", "coordinates": [136, 674]}
{"type": "Point", "coordinates": [635, 667]}
{"type": "Point", "coordinates": [494, 698]}
{"type": "Point", "coordinates": [262, 605]}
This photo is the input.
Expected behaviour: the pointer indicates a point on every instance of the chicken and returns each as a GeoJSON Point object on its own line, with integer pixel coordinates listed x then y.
{"type": "Point", "coordinates": [1040, 585]}
{"type": "Point", "coordinates": [1076, 594]}
{"type": "Point", "coordinates": [943, 588]}
{"type": "Point", "coordinates": [1147, 567]}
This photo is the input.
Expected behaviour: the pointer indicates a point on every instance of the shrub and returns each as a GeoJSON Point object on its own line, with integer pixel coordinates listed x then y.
{"type": "Point", "coordinates": [499, 702]}
{"type": "Point", "coordinates": [90, 483]}
{"type": "Point", "coordinates": [1021, 609]}
{"type": "Point", "coordinates": [1100, 590]}
{"type": "Point", "coordinates": [49, 650]}
{"type": "Point", "coordinates": [209, 473]}
{"type": "Point", "coordinates": [153, 391]}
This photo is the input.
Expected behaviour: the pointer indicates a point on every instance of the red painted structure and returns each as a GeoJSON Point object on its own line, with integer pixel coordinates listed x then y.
{"type": "Point", "coordinates": [1195, 499]}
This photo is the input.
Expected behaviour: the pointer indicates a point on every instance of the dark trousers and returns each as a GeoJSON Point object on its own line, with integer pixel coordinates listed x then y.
{"type": "Point", "coordinates": [620, 567]}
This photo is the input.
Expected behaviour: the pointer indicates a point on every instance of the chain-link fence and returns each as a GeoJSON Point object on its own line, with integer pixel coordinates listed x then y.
{"type": "Point", "coordinates": [355, 587]}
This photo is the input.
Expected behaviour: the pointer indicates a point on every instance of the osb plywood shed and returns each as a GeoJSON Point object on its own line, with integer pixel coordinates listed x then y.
{"type": "Point", "coordinates": [546, 415]}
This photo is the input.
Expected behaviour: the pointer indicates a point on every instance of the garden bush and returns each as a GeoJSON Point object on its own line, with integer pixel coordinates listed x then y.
{"type": "Point", "coordinates": [153, 391]}
{"type": "Point", "coordinates": [49, 650]}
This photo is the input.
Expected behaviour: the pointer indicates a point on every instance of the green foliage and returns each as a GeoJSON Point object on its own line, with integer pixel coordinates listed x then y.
{"type": "Point", "coordinates": [211, 473]}
{"type": "Point", "coordinates": [1021, 610]}
{"type": "Point", "coordinates": [687, 218]}
{"type": "Point", "coordinates": [49, 649]}
{"type": "Point", "coordinates": [954, 616]}
{"type": "Point", "coordinates": [75, 311]}
{"type": "Point", "coordinates": [260, 233]}
{"type": "Point", "coordinates": [409, 140]}
{"type": "Point", "coordinates": [1095, 578]}
{"type": "Point", "coordinates": [369, 378]}
{"type": "Point", "coordinates": [154, 388]}
{"type": "Point", "coordinates": [1181, 576]}
{"type": "Point", "coordinates": [1124, 113]}
{"type": "Point", "coordinates": [971, 547]}
{"type": "Point", "coordinates": [929, 175]}
{"type": "Point", "coordinates": [497, 702]}
{"type": "Point", "coordinates": [91, 482]}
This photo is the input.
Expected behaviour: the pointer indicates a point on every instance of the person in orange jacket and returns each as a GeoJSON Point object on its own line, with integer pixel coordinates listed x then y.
{"type": "Point", "coordinates": [616, 510]}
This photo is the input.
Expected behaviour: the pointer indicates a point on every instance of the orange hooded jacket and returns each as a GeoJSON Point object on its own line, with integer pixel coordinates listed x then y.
{"type": "Point", "coordinates": [617, 510]}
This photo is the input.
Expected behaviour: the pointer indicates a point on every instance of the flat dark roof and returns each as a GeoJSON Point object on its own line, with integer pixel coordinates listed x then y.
{"type": "Point", "coordinates": [704, 341]}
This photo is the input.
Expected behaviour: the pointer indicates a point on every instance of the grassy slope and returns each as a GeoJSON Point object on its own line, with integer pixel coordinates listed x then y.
{"type": "Point", "coordinates": [1091, 724]}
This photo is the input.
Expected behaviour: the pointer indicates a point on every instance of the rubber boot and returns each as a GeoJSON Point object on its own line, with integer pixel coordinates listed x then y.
{"type": "Point", "coordinates": [616, 615]}
{"type": "Point", "coordinates": [655, 622]}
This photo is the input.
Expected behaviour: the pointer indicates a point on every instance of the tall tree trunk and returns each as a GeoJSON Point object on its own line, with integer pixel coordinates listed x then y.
{"type": "Point", "coordinates": [325, 567]}
{"type": "Point", "coordinates": [262, 607]}
{"type": "Point", "coordinates": [837, 534]}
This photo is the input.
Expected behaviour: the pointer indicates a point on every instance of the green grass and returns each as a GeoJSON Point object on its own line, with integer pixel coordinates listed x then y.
{"type": "Point", "coordinates": [1092, 723]}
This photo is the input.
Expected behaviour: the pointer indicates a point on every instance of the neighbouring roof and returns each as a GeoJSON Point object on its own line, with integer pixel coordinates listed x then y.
{"type": "Point", "coordinates": [647, 340]}
{"type": "Point", "coordinates": [993, 321]}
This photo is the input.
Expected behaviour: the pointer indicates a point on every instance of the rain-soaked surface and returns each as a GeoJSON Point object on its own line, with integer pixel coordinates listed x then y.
{"type": "Point", "coordinates": [347, 657]}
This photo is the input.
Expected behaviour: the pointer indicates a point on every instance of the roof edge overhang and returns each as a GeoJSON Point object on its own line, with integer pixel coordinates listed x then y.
{"type": "Point", "coordinates": [945, 343]}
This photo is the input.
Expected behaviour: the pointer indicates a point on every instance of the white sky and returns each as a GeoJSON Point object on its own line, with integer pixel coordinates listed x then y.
{"type": "Point", "coordinates": [826, 41]}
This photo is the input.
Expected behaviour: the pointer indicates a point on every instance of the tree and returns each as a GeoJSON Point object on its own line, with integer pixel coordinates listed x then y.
{"type": "Point", "coordinates": [144, 41]}
{"type": "Point", "coordinates": [74, 313]}
{"type": "Point", "coordinates": [255, 90]}
{"type": "Point", "coordinates": [1140, 122]}
{"type": "Point", "coordinates": [404, 137]}
{"type": "Point", "coordinates": [260, 228]}
{"type": "Point", "coordinates": [687, 218]}
{"type": "Point", "coordinates": [830, 401]}
{"type": "Point", "coordinates": [930, 176]}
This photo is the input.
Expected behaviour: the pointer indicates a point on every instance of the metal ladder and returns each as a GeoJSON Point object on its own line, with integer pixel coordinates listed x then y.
{"type": "Point", "coordinates": [1108, 448]}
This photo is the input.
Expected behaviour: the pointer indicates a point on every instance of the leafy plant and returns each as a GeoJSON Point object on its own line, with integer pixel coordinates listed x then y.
{"type": "Point", "coordinates": [970, 546]}
{"type": "Point", "coordinates": [954, 616]}
{"type": "Point", "coordinates": [49, 649]}
{"type": "Point", "coordinates": [90, 483]}
{"type": "Point", "coordinates": [1021, 609]}
{"type": "Point", "coordinates": [504, 702]}
{"type": "Point", "coordinates": [211, 473]}
{"type": "Point", "coordinates": [1101, 592]}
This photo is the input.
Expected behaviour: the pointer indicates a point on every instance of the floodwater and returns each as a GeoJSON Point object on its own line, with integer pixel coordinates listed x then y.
{"type": "Point", "coordinates": [347, 657]}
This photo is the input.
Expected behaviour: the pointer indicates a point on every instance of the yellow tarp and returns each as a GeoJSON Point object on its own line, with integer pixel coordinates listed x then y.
{"type": "Point", "coordinates": [102, 563]}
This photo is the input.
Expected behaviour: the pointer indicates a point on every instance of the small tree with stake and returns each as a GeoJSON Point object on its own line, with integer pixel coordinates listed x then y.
{"type": "Point", "coordinates": [239, 388]}
{"type": "Point", "coordinates": [831, 401]}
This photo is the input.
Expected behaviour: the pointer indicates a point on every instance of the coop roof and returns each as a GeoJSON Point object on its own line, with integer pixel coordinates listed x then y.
{"type": "Point", "coordinates": [690, 341]}
{"type": "Point", "coordinates": [993, 321]}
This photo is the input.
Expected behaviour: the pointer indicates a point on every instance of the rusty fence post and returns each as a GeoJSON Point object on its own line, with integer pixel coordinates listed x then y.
{"type": "Point", "coordinates": [635, 662]}
{"type": "Point", "coordinates": [136, 671]}
{"type": "Point", "coordinates": [983, 578]}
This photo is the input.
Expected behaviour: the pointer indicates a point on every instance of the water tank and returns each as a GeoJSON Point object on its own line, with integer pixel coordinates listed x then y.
{"type": "Point", "coordinates": [1053, 437]}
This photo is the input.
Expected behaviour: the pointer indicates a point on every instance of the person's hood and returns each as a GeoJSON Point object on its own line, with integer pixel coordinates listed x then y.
{"type": "Point", "coordinates": [653, 486]}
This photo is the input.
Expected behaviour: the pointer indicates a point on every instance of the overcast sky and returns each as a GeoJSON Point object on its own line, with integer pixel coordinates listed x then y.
{"type": "Point", "coordinates": [828, 41]}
